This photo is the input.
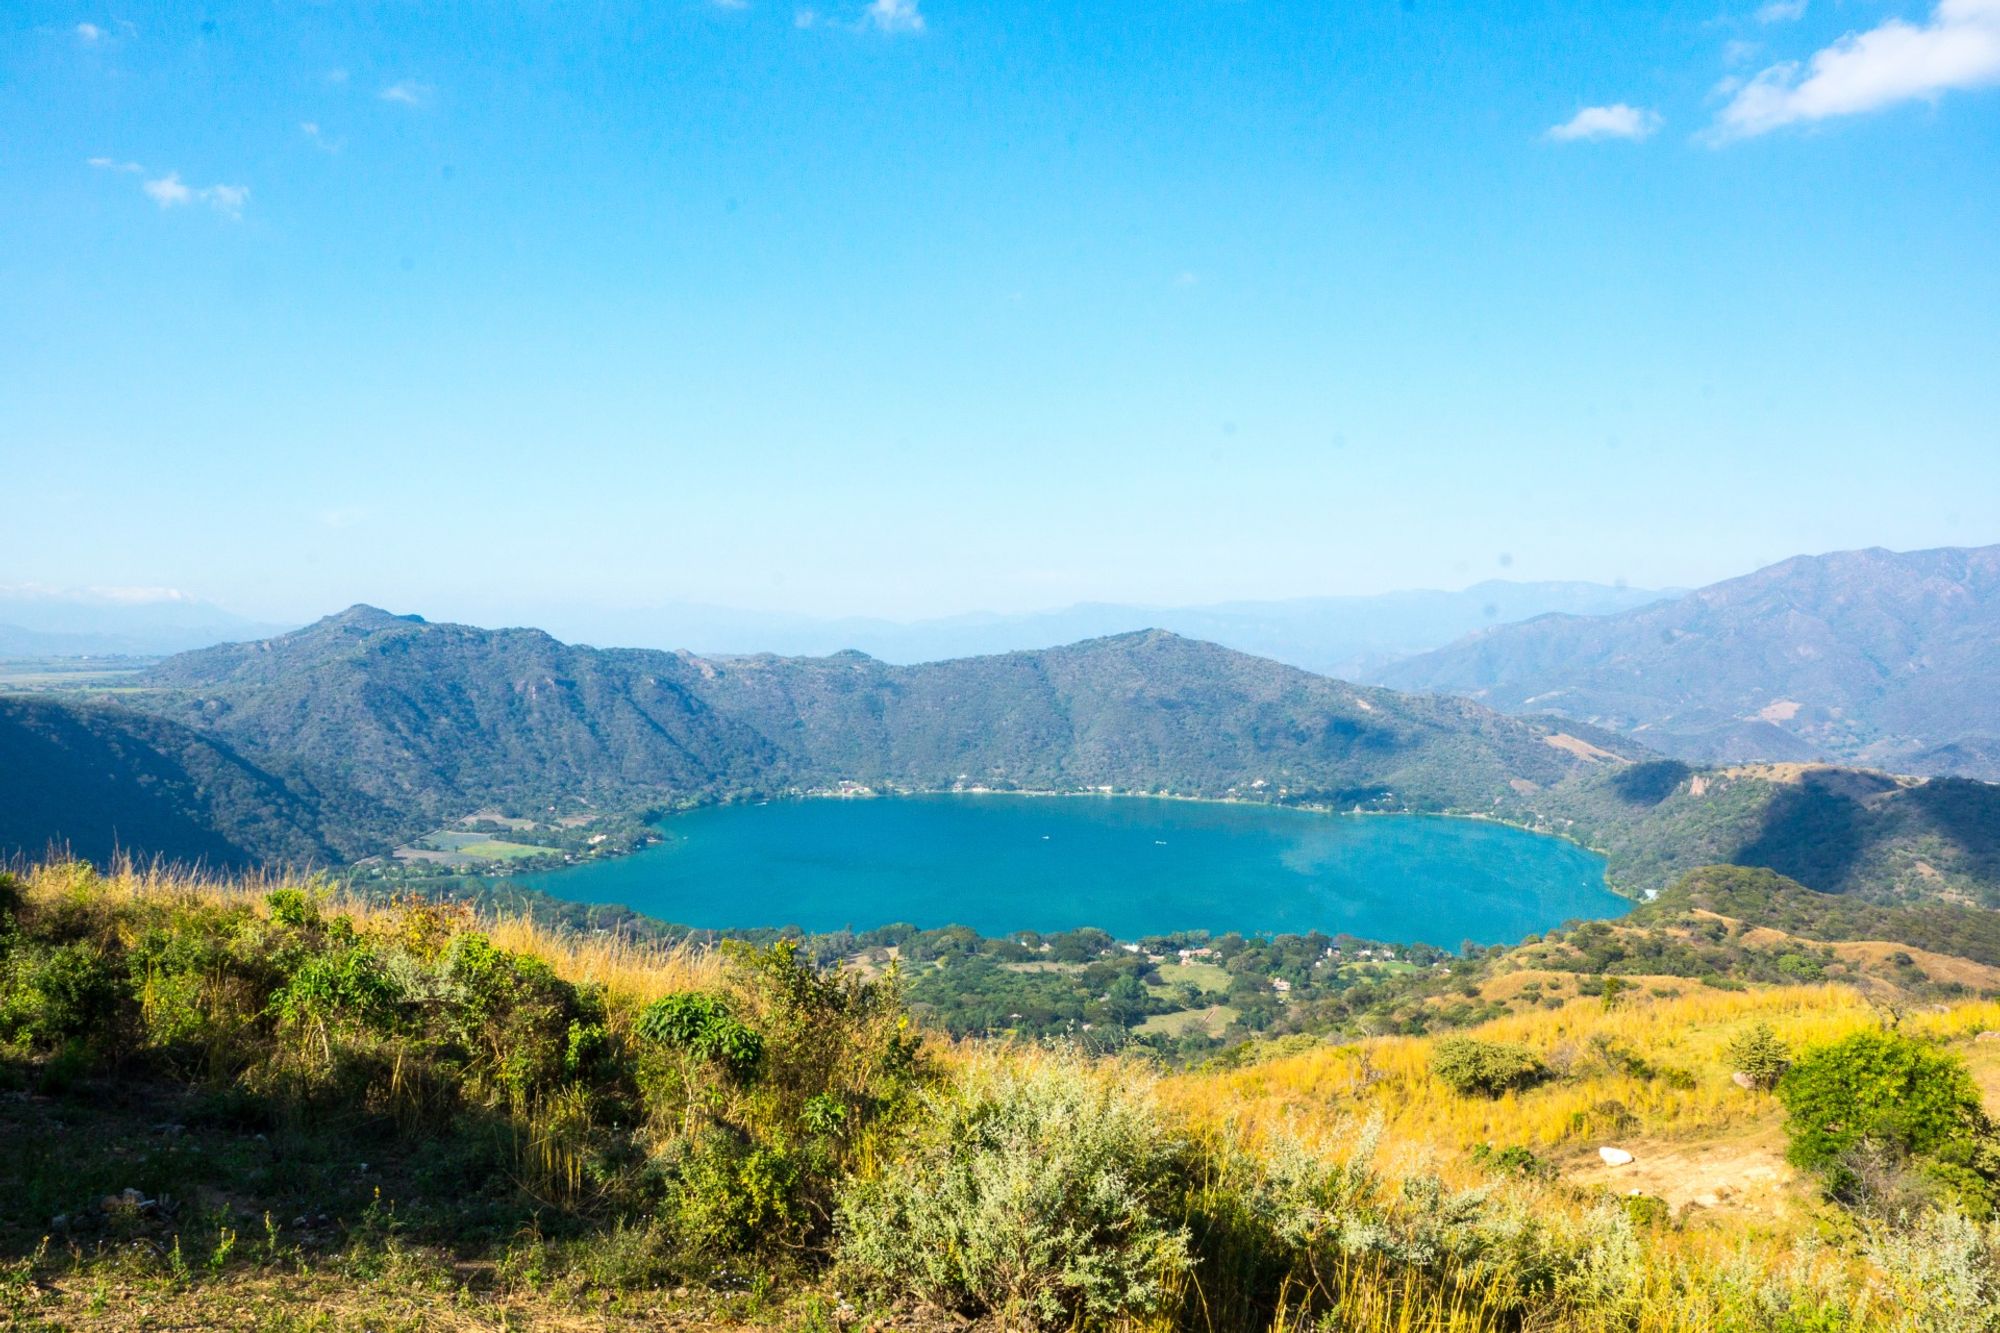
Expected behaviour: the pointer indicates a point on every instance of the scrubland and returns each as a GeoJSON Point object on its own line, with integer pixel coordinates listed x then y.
{"type": "Point", "coordinates": [249, 1103]}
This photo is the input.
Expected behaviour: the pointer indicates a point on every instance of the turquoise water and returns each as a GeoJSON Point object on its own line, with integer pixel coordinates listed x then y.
{"type": "Point", "coordinates": [1132, 866]}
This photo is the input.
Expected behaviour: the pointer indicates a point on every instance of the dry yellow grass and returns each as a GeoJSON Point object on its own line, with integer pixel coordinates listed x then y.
{"type": "Point", "coordinates": [1389, 1077]}
{"type": "Point", "coordinates": [628, 970]}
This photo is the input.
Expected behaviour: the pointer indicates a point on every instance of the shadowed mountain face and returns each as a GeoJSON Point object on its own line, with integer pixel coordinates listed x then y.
{"type": "Point", "coordinates": [99, 780]}
{"type": "Point", "coordinates": [1872, 657]}
{"type": "Point", "coordinates": [438, 719]}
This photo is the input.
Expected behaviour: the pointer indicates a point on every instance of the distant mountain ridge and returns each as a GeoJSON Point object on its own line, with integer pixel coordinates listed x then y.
{"type": "Point", "coordinates": [1340, 636]}
{"type": "Point", "coordinates": [435, 719]}
{"type": "Point", "coordinates": [141, 622]}
{"type": "Point", "coordinates": [1870, 657]}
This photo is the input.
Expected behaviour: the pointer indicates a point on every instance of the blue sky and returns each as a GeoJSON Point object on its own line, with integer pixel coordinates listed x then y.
{"type": "Point", "coordinates": [908, 307]}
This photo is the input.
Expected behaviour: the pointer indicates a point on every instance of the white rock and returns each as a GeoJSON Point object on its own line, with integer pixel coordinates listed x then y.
{"type": "Point", "coordinates": [1615, 1156]}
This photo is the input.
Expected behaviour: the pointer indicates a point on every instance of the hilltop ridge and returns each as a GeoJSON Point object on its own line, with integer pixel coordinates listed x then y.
{"type": "Point", "coordinates": [1871, 657]}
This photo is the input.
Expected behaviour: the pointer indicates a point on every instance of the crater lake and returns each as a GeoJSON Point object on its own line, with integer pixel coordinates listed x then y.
{"type": "Point", "coordinates": [1133, 866]}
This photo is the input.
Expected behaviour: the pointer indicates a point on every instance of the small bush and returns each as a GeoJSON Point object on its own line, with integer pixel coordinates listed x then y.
{"type": "Point", "coordinates": [1512, 1160]}
{"type": "Point", "coordinates": [50, 996]}
{"type": "Point", "coordinates": [702, 1026]}
{"type": "Point", "coordinates": [1760, 1056]}
{"type": "Point", "coordinates": [1038, 1194]}
{"type": "Point", "coordinates": [1471, 1067]}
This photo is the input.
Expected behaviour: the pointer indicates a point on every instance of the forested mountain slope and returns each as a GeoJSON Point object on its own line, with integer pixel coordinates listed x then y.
{"type": "Point", "coordinates": [1835, 830]}
{"type": "Point", "coordinates": [1872, 657]}
{"type": "Point", "coordinates": [437, 719]}
{"type": "Point", "coordinates": [99, 779]}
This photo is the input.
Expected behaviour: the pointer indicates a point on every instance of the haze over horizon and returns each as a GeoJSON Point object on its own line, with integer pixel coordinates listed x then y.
{"type": "Point", "coordinates": [910, 308]}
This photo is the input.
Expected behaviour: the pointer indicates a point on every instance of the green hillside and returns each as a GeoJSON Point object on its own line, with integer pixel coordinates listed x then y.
{"type": "Point", "coordinates": [1835, 830]}
{"type": "Point", "coordinates": [425, 722]}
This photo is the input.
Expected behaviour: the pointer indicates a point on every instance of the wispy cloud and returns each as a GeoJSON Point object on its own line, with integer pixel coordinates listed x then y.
{"type": "Point", "coordinates": [805, 18]}
{"type": "Point", "coordinates": [406, 93]}
{"type": "Point", "coordinates": [1957, 48]}
{"type": "Point", "coordinates": [1782, 11]}
{"type": "Point", "coordinates": [113, 164]}
{"type": "Point", "coordinates": [730, 4]}
{"type": "Point", "coordinates": [317, 137]}
{"type": "Point", "coordinates": [1617, 121]}
{"type": "Point", "coordinates": [89, 33]}
{"type": "Point", "coordinates": [893, 16]}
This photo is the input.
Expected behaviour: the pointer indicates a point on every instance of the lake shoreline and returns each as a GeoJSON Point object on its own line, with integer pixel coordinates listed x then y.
{"type": "Point", "coordinates": [925, 857]}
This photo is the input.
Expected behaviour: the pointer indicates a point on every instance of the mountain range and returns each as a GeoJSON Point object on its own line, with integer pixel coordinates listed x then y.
{"type": "Point", "coordinates": [344, 738]}
{"type": "Point", "coordinates": [394, 722]}
{"type": "Point", "coordinates": [1878, 658]}
{"type": "Point", "coordinates": [1337, 636]}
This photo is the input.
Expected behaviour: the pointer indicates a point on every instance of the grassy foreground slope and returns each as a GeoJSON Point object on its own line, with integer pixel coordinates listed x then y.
{"type": "Point", "coordinates": [240, 1105]}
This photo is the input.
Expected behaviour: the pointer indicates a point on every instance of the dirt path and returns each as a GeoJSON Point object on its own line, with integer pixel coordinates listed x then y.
{"type": "Point", "coordinates": [1743, 1174]}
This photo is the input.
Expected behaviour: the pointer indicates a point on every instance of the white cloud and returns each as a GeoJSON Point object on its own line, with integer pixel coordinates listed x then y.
{"type": "Point", "coordinates": [113, 164]}
{"type": "Point", "coordinates": [406, 93]}
{"type": "Point", "coordinates": [894, 16]}
{"type": "Point", "coordinates": [1897, 61]}
{"type": "Point", "coordinates": [138, 596]}
{"type": "Point", "coordinates": [1617, 121]}
{"type": "Point", "coordinates": [169, 191]}
{"type": "Point", "coordinates": [731, 4]}
{"type": "Point", "coordinates": [1782, 11]}
{"type": "Point", "coordinates": [89, 32]}
{"type": "Point", "coordinates": [805, 18]}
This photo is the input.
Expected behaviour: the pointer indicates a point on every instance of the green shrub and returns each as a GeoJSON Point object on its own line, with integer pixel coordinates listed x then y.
{"type": "Point", "coordinates": [1512, 1160]}
{"type": "Point", "coordinates": [1470, 1067]}
{"type": "Point", "coordinates": [12, 894]}
{"type": "Point", "coordinates": [1038, 1194]}
{"type": "Point", "coordinates": [50, 996]}
{"type": "Point", "coordinates": [523, 1028]}
{"type": "Point", "coordinates": [726, 1196]}
{"type": "Point", "coordinates": [1861, 1108]}
{"type": "Point", "coordinates": [702, 1026]}
{"type": "Point", "coordinates": [1646, 1210]}
{"type": "Point", "coordinates": [1760, 1056]}
{"type": "Point", "coordinates": [344, 989]}
{"type": "Point", "coordinates": [292, 907]}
